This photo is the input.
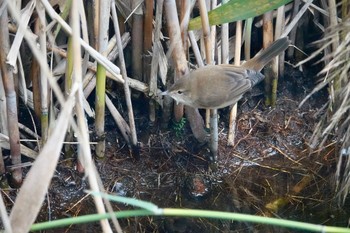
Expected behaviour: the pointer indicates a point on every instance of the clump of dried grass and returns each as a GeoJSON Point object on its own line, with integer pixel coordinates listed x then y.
{"type": "Point", "coordinates": [335, 123]}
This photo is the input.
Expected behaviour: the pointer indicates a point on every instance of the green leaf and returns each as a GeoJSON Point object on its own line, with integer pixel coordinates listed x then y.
{"type": "Point", "coordinates": [130, 201]}
{"type": "Point", "coordinates": [237, 10]}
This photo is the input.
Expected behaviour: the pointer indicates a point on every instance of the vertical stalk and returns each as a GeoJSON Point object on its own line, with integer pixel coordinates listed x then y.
{"type": "Point", "coordinates": [179, 57]}
{"type": "Point", "coordinates": [3, 127]}
{"type": "Point", "coordinates": [90, 83]}
{"type": "Point", "coordinates": [76, 78]}
{"type": "Point", "coordinates": [155, 58]}
{"type": "Point", "coordinates": [35, 76]}
{"type": "Point", "coordinates": [100, 110]}
{"type": "Point", "coordinates": [214, 139]}
{"type": "Point", "coordinates": [177, 47]}
{"type": "Point", "coordinates": [44, 89]}
{"type": "Point", "coordinates": [270, 77]}
{"type": "Point", "coordinates": [213, 33]}
{"type": "Point", "coordinates": [69, 68]}
{"type": "Point", "coordinates": [3, 112]}
{"type": "Point", "coordinates": [206, 31]}
{"type": "Point", "coordinates": [293, 32]}
{"type": "Point", "coordinates": [68, 150]}
{"type": "Point", "coordinates": [184, 20]}
{"type": "Point", "coordinates": [96, 23]}
{"type": "Point", "coordinates": [224, 41]}
{"type": "Point", "coordinates": [147, 43]}
{"type": "Point", "coordinates": [137, 38]}
{"type": "Point", "coordinates": [195, 48]}
{"type": "Point", "coordinates": [126, 85]}
{"type": "Point", "coordinates": [214, 129]}
{"type": "Point", "coordinates": [248, 38]}
{"type": "Point", "coordinates": [237, 61]}
{"type": "Point", "coordinates": [280, 25]}
{"type": "Point", "coordinates": [11, 99]}
{"type": "Point", "coordinates": [103, 12]}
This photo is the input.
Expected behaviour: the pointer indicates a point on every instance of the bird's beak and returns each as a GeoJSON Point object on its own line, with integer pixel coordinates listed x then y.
{"type": "Point", "coordinates": [164, 93]}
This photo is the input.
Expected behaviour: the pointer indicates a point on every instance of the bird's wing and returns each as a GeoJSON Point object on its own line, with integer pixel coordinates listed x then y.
{"type": "Point", "coordinates": [230, 83]}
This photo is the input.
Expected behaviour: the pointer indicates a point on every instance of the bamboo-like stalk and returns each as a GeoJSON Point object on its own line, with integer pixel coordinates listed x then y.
{"type": "Point", "coordinates": [137, 39]}
{"type": "Point", "coordinates": [132, 126]}
{"type": "Point", "coordinates": [100, 103]}
{"type": "Point", "coordinates": [96, 11]}
{"type": "Point", "coordinates": [292, 35]}
{"type": "Point", "coordinates": [168, 106]}
{"type": "Point", "coordinates": [100, 110]}
{"type": "Point", "coordinates": [274, 70]}
{"type": "Point", "coordinates": [11, 99]}
{"type": "Point", "coordinates": [2, 169]}
{"type": "Point", "coordinates": [176, 47]}
{"type": "Point", "coordinates": [248, 38]}
{"type": "Point", "coordinates": [85, 62]}
{"type": "Point", "coordinates": [206, 31]}
{"type": "Point", "coordinates": [195, 48]}
{"type": "Point", "coordinates": [34, 76]}
{"type": "Point", "coordinates": [233, 113]}
{"type": "Point", "coordinates": [225, 46]}
{"type": "Point", "coordinates": [147, 59]}
{"type": "Point", "coordinates": [214, 43]}
{"type": "Point", "coordinates": [84, 154]}
{"type": "Point", "coordinates": [3, 123]}
{"type": "Point", "coordinates": [280, 25]}
{"type": "Point", "coordinates": [155, 58]}
{"type": "Point", "coordinates": [204, 54]}
{"type": "Point", "coordinates": [3, 112]}
{"type": "Point", "coordinates": [270, 77]}
{"type": "Point", "coordinates": [44, 89]}
{"type": "Point", "coordinates": [224, 41]}
{"type": "Point", "coordinates": [184, 20]}
{"type": "Point", "coordinates": [85, 37]}
{"type": "Point", "coordinates": [179, 57]}
{"type": "Point", "coordinates": [214, 134]}
{"type": "Point", "coordinates": [214, 139]}
{"type": "Point", "coordinates": [68, 150]}
{"type": "Point", "coordinates": [90, 18]}
{"type": "Point", "coordinates": [90, 83]}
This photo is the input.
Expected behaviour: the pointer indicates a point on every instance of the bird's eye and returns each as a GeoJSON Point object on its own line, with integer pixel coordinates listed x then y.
{"type": "Point", "coordinates": [179, 92]}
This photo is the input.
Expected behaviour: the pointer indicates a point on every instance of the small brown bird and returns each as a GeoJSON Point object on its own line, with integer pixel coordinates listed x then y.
{"type": "Point", "coordinates": [218, 86]}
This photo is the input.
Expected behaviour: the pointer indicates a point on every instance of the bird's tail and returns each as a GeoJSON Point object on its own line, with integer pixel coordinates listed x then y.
{"type": "Point", "coordinates": [261, 59]}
